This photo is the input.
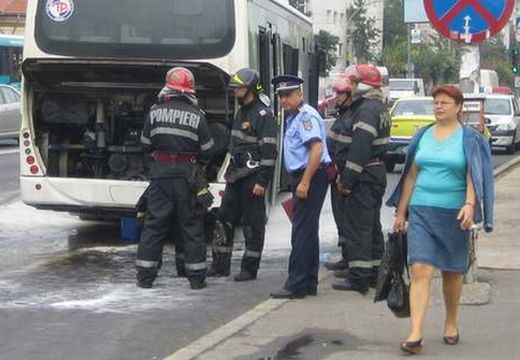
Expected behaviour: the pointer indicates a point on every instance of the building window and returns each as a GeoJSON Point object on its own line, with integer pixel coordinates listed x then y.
{"type": "Point", "coordinates": [335, 17]}
{"type": "Point", "coordinates": [329, 12]}
{"type": "Point", "coordinates": [342, 18]}
{"type": "Point", "coordinates": [340, 50]}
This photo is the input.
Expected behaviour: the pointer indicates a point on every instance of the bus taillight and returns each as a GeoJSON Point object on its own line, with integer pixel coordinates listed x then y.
{"type": "Point", "coordinates": [30, 159]}
{"type": "Point", "coordinates": [34, 169]}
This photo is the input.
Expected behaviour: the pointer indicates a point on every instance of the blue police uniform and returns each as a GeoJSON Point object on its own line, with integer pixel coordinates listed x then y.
{"type": "Point", "coordinates": [303, 127]}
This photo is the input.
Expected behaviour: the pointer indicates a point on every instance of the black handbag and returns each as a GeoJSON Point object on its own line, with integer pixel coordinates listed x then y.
{"type": "Point", "coordinates": [391, 262]}
{"type": "Point", "coordinates": [398, 299]}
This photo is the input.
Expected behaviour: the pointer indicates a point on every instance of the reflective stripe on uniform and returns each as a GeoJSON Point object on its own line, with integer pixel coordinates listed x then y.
{"type": "Point", "coordinates": [254, 254]}
{"type": "Point", "coordinates": [197, 266]}
{"type": "Point", "coordinates": [207, 145]}
{"type": "Point", "coordinates": [340, 138]}
{"type": "Point", "coordinates": [376, 262]}
{"type": "Point", "coordinates": [367, 127]}
{"type": "Point", "coordinates": [222, 249]}
{"type": "Point", "coordinates": [172, 131]}
{"type": "Point", "coordinates": [146, 140]}
{"type": "Point", "coordinates": [382, 141]}
{"type": "Point", "coordinates": [267, 140]}
{"type": "Point", "coordinates": [239, 134]}
{"type": "Point", "coordinates": [265, 162]}
{"type": "Point", "coordinates": [354, 167]}
{"type": "Point", "coordinates": [146, 264]}
{"type": "Point", "coordinates": [360, 264]}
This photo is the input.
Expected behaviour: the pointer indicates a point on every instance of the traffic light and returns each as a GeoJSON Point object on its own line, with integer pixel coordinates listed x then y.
{"type": "Point", "coordinates": [515, 61]}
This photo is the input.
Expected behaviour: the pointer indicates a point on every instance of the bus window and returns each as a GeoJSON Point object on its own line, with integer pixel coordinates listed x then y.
{"type": "Point", "coordinates": [10, 58]}
{"type": "Point", "coordinates": [188, 29]}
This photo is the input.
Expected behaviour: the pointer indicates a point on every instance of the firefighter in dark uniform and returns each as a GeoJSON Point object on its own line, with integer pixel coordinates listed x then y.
{"type": "Point", "coordinates": [362, 179]}
{"type": "Point", "coordinates": [306, 159]}
{"type": "Point", "coordinates": [177, 133]}
{"type": "Point", "coordinates": [336, 139]}
{"type": "Point", "coordinates": [253, 155]}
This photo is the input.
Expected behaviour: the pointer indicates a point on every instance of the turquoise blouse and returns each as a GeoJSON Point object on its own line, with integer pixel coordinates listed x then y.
{"type": "Point", "coordinates": [441, 171]}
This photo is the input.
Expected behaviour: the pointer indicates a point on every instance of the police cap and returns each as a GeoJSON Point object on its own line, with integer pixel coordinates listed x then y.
{"type": "Point", "coordinates": [287, 82]}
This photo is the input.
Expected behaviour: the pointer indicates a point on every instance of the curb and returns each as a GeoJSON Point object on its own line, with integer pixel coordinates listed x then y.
{"type": "Point", "coordinates": [506, 167]}
{"type": "Point", "coordinates": [226, 331]}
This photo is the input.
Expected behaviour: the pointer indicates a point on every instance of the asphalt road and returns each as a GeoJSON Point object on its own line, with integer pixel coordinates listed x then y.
{"type": "Point", "coordinates": [67, 287]}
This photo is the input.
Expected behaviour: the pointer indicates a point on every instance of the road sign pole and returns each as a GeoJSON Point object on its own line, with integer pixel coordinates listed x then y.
{"type": "Point", "coordinates": [469, 79]}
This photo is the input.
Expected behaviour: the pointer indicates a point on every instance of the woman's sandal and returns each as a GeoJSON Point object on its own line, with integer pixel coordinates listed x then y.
{"type": "Point", "coordinates": [412, 347]}
{"type": "Point", "coordinates": [452, 340]}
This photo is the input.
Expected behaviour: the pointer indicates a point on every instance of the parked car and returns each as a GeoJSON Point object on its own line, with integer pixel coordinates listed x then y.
{"type": "Point", "coordinates": [408, 115]}
{"type": "Point", "coordinates": [10, 116]}
{"type": "Point", "coordinates": [503, 112]}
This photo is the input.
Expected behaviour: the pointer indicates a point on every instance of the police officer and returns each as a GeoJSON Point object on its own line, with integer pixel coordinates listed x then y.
{"type": "Point", "coordinates": [253, 155]}
{"type": "Point", "coordinates": [306, 159]}
{"type": "Point", "coordinates": [337, 136]}
{"type": "Point", "coordinates": [362, 181]}
{"type": "Point", "coordinates": [176, 131]}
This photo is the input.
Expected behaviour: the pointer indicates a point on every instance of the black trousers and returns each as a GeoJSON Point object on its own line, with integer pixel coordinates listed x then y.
{"type": "Point", "coordinates": [364, 244]}
{"type": "Point", "coordinates": [240, 206]}
{"type": "Point", "coordinates": [304, 260]}
{"type": "Point", "coordinates": [170, 201]}
{"type": "Point", "coordinates": [337, 203]}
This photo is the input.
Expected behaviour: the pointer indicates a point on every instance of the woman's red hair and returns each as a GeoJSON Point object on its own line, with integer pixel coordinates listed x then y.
{"type": "Point", "coordinates": [450, 90]}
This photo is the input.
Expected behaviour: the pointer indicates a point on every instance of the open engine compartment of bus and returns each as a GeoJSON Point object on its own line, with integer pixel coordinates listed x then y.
{"type": "Point", "coordinates": [88, 116]}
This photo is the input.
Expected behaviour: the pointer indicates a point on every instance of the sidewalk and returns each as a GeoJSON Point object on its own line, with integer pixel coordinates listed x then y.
{"type": "Point", "coordinates": [346, 325]}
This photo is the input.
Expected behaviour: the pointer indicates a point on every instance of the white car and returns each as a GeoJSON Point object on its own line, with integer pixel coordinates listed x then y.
{"type": "Point", "coordinates": [503, 112]}
{"type": "Point", "coordinates": [9, 112]}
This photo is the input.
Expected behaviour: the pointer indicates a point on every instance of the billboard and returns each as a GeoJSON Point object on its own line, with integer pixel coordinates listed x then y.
{"type": "Point", "coordinates": [414, 12]}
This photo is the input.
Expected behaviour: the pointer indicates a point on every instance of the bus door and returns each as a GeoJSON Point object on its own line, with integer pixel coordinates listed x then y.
{"type": "Point", "coordinates": [271, 64]}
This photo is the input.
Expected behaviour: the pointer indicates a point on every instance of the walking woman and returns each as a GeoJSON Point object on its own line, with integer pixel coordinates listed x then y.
{"type": "Point", "coordinates": [446, 187]}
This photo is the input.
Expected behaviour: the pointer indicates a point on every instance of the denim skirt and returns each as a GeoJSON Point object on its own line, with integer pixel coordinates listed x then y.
{"type": "Point", "coordinates": [435, 238]}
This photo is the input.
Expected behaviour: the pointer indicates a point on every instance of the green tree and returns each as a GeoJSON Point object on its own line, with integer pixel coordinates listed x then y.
{"type": "Point", "coordinates": [393, 22]}
{"type": "Point", "coordinates": [326, 45]}
{"type": "Point", "coordinates": [495, 56]}
{"type": "Point", "coordinates": [362, 31]}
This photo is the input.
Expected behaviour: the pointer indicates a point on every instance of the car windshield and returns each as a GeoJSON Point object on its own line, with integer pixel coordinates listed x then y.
{"type": "Point", "coordinates": [497, 107]}
{"type": "Point", "coordinates": [413, 107]}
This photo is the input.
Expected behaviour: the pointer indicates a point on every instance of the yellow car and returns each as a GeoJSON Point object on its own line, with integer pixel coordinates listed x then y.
{"type": "Point", "coordinates": [407, 115]}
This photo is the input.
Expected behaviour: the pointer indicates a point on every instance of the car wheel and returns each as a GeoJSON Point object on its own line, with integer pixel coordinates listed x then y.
{"type": "Point", "coordinates": [390, 166]}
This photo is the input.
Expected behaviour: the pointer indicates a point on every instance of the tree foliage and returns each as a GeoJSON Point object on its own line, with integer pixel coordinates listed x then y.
{"type": "Point", "coordinates": [326, 45]}
{"type": "Point", "coordinates": [393, 22]}
{"type": "Point", "coordinates": [495, 56]}
{"type": "Point", "coordinates": [363, 32]}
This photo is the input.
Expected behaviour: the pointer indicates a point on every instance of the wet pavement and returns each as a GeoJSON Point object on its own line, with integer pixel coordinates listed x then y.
{"type": "Point", "coordinates": [67, 288]}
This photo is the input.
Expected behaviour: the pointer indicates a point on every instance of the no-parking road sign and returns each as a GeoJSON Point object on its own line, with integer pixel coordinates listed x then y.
{"type": "Point", "coordinates": [469, 21]}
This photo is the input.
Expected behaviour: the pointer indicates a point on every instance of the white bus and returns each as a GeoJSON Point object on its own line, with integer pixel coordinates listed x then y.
{"type": "Point", "coordinates": [91, 70]}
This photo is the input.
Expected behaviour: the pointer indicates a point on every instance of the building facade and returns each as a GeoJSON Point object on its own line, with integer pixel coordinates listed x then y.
{"type": "Point", "coordinates": [332, 16]}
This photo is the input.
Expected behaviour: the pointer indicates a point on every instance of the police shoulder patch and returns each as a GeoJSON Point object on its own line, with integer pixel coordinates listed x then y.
{"type": "Point", "coordinates": [262, 112]}
{"type": "Point", "coordinates": [307, 124]}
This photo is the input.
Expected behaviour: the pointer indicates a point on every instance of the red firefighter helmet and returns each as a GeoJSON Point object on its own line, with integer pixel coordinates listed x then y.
{"type": "Point", "coordinates": [342, 84]}
{"type": "Point", "coordinates": [180, 79]}
{"type": "Point", "coordinates": [365, 74]}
